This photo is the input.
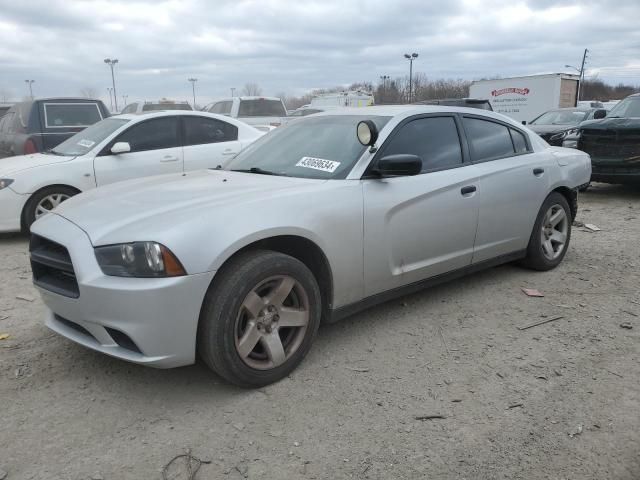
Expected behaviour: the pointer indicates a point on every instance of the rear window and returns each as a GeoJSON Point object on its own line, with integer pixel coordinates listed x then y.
{"type": "Point", "coordinates": [261, 107]}
{"type": "Point", "coordinates": [152, 107]}
{"type": "Point", "coordinates": [60, 115]}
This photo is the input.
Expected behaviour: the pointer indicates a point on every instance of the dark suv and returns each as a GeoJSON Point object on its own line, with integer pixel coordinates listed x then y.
{"type": "Point", "coordinates": [39, 125]}
{"type": "Point", "coordinates": [614, 143]}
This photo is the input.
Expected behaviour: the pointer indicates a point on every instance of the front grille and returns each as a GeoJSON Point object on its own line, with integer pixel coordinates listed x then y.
{"type": "Point", "coordinates": [52, 268]}
{"type": "Point", "coordinates": [610, 144]}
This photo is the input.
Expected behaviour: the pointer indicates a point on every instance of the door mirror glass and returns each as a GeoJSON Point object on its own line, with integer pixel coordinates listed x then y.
{"type": "Point", "coordinates": [367, 132]}
{"type": "Point", "coordinates": [120, 147]}
{"type": "Point", "coordinates": [600, 113]}
{"type": "Point", "coordinates": [399, 165]}
{"type": "Point", "coordinates": [524, 122]}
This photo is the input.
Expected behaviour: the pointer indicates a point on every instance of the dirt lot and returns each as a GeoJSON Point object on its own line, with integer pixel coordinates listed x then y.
{"type": "Point", "coordinates": [510, 398]}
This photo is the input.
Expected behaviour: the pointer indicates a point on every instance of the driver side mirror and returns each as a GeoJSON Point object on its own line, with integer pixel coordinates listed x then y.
{"type": "Point", "coordinates": [600, 113]}
{"type": "Point", "coordinates": [524, 122]}
{"type": "Point", "coordinates": [400, 165]}
{"type": "Point", "coordinates": [120, 147]}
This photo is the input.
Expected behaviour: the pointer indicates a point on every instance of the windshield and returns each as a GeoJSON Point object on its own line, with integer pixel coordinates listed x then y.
{"type": "Point", "coordinates": [84, 141]}
{"type": "Point", "coordinates": [315, 147]}
{"type": "Point", "coordinates": [561, 117]}
{"type": "Point", "coordinates": [261, 107]}
{"type": "Point", "coordinates": [627, 108]}
{"type": "Point", "coordinates": [152, 107]}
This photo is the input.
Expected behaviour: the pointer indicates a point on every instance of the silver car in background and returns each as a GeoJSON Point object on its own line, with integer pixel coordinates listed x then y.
{"type": "Point", "coordinates": [321, 218]}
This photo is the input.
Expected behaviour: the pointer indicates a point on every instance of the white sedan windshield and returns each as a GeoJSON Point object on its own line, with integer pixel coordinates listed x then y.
{"type": "Point", "coordinates": [84, 141]}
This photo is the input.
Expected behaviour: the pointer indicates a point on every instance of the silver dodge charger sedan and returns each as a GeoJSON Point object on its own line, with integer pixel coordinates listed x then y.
{"type": "Point", "coordinates": [316, 220]}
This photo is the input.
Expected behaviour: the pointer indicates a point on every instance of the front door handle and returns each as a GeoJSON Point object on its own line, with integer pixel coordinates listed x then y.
{"type": "Point", "coordinates": [468, 190]}
{"type": "Point", "coordinates": [229, 152]}
{"type": "Point", "coordinates": [538, 171]}
{"type": "Point", "coordinates": [169, 158]}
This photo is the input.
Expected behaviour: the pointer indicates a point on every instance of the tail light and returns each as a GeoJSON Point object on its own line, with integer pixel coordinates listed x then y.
{"type": "Point", "coordinates": [30, 147]}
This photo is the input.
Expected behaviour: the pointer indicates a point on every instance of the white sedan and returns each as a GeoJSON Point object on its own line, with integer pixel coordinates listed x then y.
{"type": "Point", "coordinates": [115, 149]}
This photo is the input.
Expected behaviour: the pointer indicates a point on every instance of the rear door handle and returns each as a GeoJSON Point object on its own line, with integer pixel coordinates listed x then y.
{"type": "Point", "coordinates": [468, 190]}
{"type": "Point", "coordinates": [538, 171]}
{"type": "Point", "coordinates": [169, 158]}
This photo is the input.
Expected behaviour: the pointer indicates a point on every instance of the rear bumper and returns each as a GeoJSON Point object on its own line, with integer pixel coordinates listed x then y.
{"type": "Point", "coordinates": [11, 205]}
{"type": "Point", "coordinates": [147, 321]}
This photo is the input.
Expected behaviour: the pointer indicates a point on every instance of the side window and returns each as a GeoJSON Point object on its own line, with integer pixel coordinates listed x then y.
{"type": "Point", "coordinates": [152, 134]}
{"type": "Point", "coordinates": [434, 139]}
{"type": "Point", "coordinates": [223, 108]}
{"type": "Point", "coordinates": [201, 130]}
{"type": "Point", "coordinates": [488, 140]}
{"type": "Point", "coordinates": [519, 142]}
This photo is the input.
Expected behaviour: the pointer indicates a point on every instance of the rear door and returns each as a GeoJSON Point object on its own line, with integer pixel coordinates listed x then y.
{"type": "Point", "coordinates": [421, 226]}
{"type": "Point", "coordinates": [208, 142]}
{"type": "Point", "coordinates": [60, 120]}
{"type": "Point", "coordinates": [513, 184]}
{"type": "Point", "coordinates": [155, 149]}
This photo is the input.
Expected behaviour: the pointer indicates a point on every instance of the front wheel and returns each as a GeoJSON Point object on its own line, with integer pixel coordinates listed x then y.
{"type": "Point", "coordinates": [259, 318]}
{"type": "Point", "coordinates": [551, 234]}
{"type": "Point", "coordinates": [43, 201]}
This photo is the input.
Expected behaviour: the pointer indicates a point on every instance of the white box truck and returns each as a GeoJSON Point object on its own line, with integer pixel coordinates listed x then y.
{"type": "Point", "coordinates": [524, 98]}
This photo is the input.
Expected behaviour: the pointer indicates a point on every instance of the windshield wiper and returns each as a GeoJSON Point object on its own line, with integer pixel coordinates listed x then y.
{"type": "Point", "coordinates": [53, 152]}
{"type": "Point", "coordinates": [259, 171]}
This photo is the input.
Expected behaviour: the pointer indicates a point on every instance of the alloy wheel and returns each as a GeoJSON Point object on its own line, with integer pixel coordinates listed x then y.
{"type": "Point", "coordinates": [50, 202]}
{"type": "Point", "coordinates": [555, 227]}
{"type": "Point", "coordinates": [272, 322]}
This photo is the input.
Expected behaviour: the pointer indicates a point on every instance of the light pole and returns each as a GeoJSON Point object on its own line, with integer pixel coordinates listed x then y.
{"type": "Point", "coordinates": [124, 99]}
{"type": "Point", "coordinates": [411, 58]}
{"type": "Point", "coordinates": [110, 90]}
{"type": "Point", "coordinates": [193, 87]}
{"type": "Point", "coordinates": [580, 72]}
{"type": "Point", "coordinates": [384, 79]}
{"type": "Point", "coordinates": [233, 91]}
{"type": "Point", "coordinates": [30, 82]}
{"type": "Point", "coordinates": [111, 62]}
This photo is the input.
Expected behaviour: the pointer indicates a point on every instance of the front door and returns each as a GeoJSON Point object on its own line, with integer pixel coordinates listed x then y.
{"type": "Point", "coordinates": [155, 150]}
{"type": "Point", "coordinates": [421, 226]}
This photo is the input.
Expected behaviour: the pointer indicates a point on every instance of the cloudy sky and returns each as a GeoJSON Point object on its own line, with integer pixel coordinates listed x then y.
{"type": "Point", "coordinates": [294, 46]}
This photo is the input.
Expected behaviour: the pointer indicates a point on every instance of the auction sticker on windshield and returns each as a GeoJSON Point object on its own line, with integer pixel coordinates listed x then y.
{"type": "Point", "coordinates": [318, 164]}
{"type": "Point", "coordinates": [86, 143]}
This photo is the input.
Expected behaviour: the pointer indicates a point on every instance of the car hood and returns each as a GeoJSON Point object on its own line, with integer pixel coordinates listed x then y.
{"type": "Point", "coordinates": [12, 165]}
{"type": "Point", "coordinates": [540, 129]}
{"type": "Point", "coordinates": [612, 124]}
{"type": "Point", "coordinates": [127, 210]}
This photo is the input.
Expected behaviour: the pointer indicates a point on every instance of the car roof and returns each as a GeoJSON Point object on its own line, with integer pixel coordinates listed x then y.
{"type": "Point", "coordinates": [406, 110]}
{"type": "Point", "coordinates": [164, 113]}
{"type": "Point", "coordinates": [258, 97]}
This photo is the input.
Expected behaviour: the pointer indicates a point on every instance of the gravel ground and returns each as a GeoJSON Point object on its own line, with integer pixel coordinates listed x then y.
{"type": "Point", "coordinates": [557, 401]}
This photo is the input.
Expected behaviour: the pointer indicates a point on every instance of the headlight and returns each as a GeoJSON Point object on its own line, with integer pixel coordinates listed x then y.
{"type": "Point", "coordinates": [138, 259]}
{"type": "Point", "coordinates": [5, 182]}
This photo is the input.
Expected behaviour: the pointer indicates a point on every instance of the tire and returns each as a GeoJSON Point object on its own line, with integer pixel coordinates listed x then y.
{"type": "Point", "coordinates": [39, 200]}
{"type": "Point", "coordinates": [241, 309]}
{"type": "Point", "coordinates": [538, 255]}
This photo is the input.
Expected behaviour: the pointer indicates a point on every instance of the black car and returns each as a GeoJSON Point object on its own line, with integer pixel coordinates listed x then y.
{"type": "Point", "coordinates": [460, 102]}
{"type": "Point", "coordinates": [39, 125]}
{"type": "Point", "coordinates": [614, 143]}
{"type": "Point", "coordinates": [555, 125]}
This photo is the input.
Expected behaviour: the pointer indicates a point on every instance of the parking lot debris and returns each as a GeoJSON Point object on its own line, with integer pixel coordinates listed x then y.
{"type": "Point", "coordinates": [592, 227]}
{"type": "Point", "coordinates": [577, 431]}
{"type": "Point", "coordinates": [626, 325]}
{"type": "Point", "coordinates": [429, 417]}
{"type": "Point", "coordinates": [191, 465]}
{"type": "Point", "coordinates": [578, 224]}
{"type": "Point", "coordinates": [4, 336]}
{"type": "Point", "coordinates": [3, 474]}
{"type": "Point", "coordinates": [552, 319]}
{"type": "Point", "coordinates": [443, 340]}
{"type": "Point", "coordinates": [532, 292]}
{"type": "Point", "coordinates": [358, 369]}
{"type": "Point", "coordinates": [629, 313]}
{"type": "Point", "coordinates": [238, 426]}
{"type": "Point", "coordinates": [26, 298]}
{"type": "Point", "coordinates": [4, 317]}
{"type": "Point", "coordinates": [515, 405]}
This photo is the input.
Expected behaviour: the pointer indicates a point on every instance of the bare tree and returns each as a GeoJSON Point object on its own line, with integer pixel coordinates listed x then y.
{"type": "Point", "coordinates": [252, 90]}
{"type": "Point", "coordinates": [88, 92]}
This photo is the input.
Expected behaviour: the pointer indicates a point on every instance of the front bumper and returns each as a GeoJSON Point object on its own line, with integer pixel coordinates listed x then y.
{"type": "Point", "coordinates": [622, 174]}
{"type": "Point", "coordinates": [150, 321]}
{"type": "Point", "coordinates": [11, 205]}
